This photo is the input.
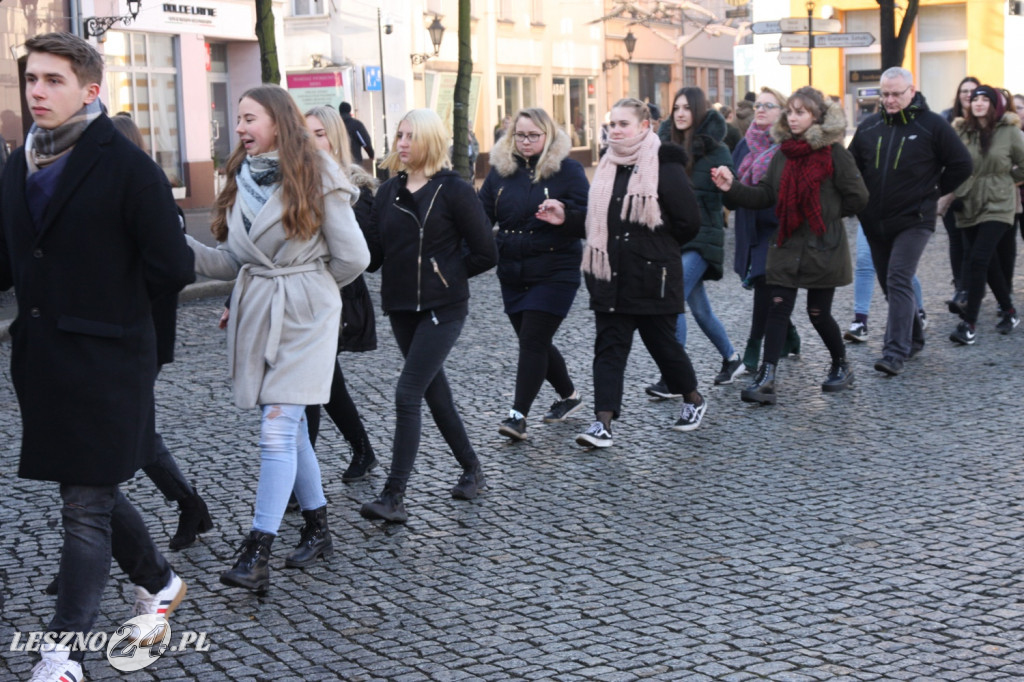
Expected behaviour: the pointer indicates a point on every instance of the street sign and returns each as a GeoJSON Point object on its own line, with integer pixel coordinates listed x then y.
{"type": "Point", "coordinates": [371, 78]}
{"type": "Point", "coordinates": [762, 27]}
{"type": "Point", "coordinates": [795, 40]}
{"type": "Point", "coordinates": [798, 24]}
{"type": "Point", "coordinates": [844, 40]}
{"type": "Point", "coordinates": [739, 13]}
{"type": "Point", "coordinates": [795, 58]}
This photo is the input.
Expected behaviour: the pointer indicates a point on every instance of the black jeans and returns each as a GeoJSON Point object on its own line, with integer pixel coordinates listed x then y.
{"type": "Point", "coordinates": [340, 408]}
{"type": "Point", "coordinates": [611, 351]}
{"type": "Point", "coordinates": [165, 474]}
{"type": "Point", "coordinates": [425, 344]}
{"type": "Point", "coordinates": [100, 523]}
{"type": "Point", "coordinates": [759, 313]}
{"type": "Point", "coordinates": [981, 266]}
{"type": "Point", "coordinates": [539, 359]}
{"type": "Point", "coordinates": [956, 249]}
{"type": "Point", "coordinates": [1007, 254]}
{"type": "Point", "coordinates": [819, 310]}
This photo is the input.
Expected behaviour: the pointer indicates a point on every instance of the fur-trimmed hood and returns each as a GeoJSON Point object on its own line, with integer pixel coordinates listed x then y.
{"type": "Point", "coordinates": [819, 135]}
{"type": "Point", "coordinates": [708, 135]}
{"type": "Point", "coordinates": [506, 161]}
{"type": "Point", "coordinates": [1008, 119]}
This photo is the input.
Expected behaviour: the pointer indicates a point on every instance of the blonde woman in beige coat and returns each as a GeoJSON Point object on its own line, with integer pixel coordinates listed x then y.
{"type": "Point", "coordinates": [289, 238]}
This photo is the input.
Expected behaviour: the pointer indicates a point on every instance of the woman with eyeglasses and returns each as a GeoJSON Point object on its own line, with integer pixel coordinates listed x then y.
{"type": "Point", "coordinates": [813, 182]}
{"type": "Point", "coordinates": [700, 129]}
{"type": "Point", "coordinates": [985, 205]}
{"type": "Point", "coordinates": [531, 186]}
{"type": "Point", "coordinates": [755, 228]}
{"type": "Point", "coordinates": [961, 105]}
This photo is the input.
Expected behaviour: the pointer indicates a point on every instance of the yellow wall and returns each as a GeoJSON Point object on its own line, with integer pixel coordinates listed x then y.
{"type": "Point", "coordinates": [985, 39]}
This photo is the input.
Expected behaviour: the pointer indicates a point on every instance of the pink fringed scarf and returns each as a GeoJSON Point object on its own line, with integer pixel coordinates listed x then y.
{"type": "Point", "coordinates": [640, 204]}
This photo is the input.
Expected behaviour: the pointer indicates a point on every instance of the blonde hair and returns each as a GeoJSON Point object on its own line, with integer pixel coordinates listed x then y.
{"type": "Point", "coordinates": [337, 135]}
{"type": "Point", "coordinates": [542, 120]}
{"type": "Point", "coordinates": [430, 143]}
{"type": "Point", "coordinates": [780, 99]}
{"type": "Point", "coordinates": [302, 194]}
{"type": "Point", "coordinates": [639, 108]}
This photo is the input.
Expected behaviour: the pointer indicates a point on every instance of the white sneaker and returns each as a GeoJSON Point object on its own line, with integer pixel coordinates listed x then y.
{"type": "Point", "coordinates": [160, 604]}
{"type": "Point", "coordinates": [691, 415]}
{"type": "Point", "coordinates": [55, 667]}
{"type": "Point", "coordinates": [595, 437]}
{"type": "Point", "coordinates": [857, 332]}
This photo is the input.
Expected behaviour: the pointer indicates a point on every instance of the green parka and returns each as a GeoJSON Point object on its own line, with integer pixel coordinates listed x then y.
{"type": "Point", "coordinates": [990, 193]}
{"type": "Point", "coordinates": [807, 260]}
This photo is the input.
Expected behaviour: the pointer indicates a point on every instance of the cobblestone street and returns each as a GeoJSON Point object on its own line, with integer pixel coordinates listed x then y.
{"type": "Point", "coordinates": [869, 535]}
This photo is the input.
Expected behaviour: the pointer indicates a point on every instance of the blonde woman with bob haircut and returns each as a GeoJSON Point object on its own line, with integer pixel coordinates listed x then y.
{"type": "Point", "coordinates": [421, 220]}
{"type": "Point", "coordinates": [289, 239]}
{"type": "Point", "coordinates": [531, 186]}
{"type": "Point", "coordinates": [358, 326]}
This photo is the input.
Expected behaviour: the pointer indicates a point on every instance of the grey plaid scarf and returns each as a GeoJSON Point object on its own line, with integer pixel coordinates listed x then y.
{"type": "Point", "coordinates": [43, 147]}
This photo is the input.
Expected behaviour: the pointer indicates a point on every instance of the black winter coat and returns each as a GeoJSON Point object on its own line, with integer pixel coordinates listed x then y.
{"type": "Point", "coordinates": [908, 160]}
{"type": "Point", "coordinates": [531, 251]}
{"type": "Point", "coordinates": [426, 259]}
{"type": "Point", "coordinates": [358, 324]}
{"type": "Point", "coordinates": [647, 269]}
{"type": "Point", "coordinates": [83, 356]}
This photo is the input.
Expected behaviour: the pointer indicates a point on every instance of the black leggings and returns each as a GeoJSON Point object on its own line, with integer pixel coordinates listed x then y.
{"type": "Point", "coordinates": [341, 409]}
{"type": "Point", "coordinates": [980, 265]}
{"type": "Point", "coordinates": [539, 359]}
{"type": "Point", "coordinates": [819, 310]}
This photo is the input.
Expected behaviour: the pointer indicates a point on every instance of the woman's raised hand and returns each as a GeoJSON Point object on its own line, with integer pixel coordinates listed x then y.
{"type": "Point", "coordinates": [551, 211]}
{"type": "Point", "coordinates": [722, 177]}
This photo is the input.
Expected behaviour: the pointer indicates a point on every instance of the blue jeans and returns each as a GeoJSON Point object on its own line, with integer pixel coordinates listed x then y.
{"type": "Point", "coordinates": [100, 523]}
{"type": "Point", "coordinates": [697, 301]}
{"type": "Point", "coordinates": [864, 278]}
{"type": "Point", "coordinates": [287, 461]}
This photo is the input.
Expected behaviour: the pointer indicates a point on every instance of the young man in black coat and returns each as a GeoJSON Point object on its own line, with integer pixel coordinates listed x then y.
{"type": "Point", "coordinates": [89, 236]}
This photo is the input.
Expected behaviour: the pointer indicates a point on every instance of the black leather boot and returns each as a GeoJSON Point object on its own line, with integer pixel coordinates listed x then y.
{"type": "Point", "coordinates": [762, 390]}
{"type": "Point", "coordinates": [194, 518]}
{"type": "Point", "coordinates": [388, 505]}
{"type": "Point", "coordinates": [251, 569]}
{"type": "Point", "coordinates": [840, 377]}
{"type": "Point", "coordinates": [363, 460]}
{"type": "Point", "coordinates": [314, 541]}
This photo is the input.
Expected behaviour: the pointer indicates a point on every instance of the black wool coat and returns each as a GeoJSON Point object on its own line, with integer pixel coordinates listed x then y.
{"type": "Point", "coordinates": [83, 357]}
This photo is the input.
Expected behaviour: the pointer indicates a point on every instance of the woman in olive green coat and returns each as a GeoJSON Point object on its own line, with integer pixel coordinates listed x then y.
{"type": "Point", "coordinates": [813, 182]}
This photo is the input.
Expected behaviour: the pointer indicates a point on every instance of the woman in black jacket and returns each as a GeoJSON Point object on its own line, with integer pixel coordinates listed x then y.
{"type": "Point", "coordinates": [538, 262]}
{"type": "Point", "coordinates": [428, 235]}
{"type": "Point", "coordinates": [640, 211]}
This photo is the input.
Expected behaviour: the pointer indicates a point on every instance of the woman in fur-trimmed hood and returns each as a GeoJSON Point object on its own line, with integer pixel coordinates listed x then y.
{"type": "Point", "coordinates": [538, 258]}
{"type": "Point", "coordinates": [813, 182]}
{"type": "Point", "coordinates": [985, 204]}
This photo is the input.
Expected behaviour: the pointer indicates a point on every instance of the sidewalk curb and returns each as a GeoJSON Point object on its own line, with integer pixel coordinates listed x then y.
{"type": "Point", "coordinates": [190, 293]}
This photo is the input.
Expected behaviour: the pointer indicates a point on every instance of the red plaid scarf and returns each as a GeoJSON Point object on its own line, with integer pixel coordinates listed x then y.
{"type": "Point", "coordinates": [800, 187]}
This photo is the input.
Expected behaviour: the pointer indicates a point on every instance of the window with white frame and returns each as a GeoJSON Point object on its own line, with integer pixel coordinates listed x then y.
{"type": "Point", "coordinates": [308, 8]}
{"type": "Point", "coordinates": [142, 80]}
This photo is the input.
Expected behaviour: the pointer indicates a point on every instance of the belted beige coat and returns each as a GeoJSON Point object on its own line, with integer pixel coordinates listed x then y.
{"type": "Point", "coordinates": [286, 305]}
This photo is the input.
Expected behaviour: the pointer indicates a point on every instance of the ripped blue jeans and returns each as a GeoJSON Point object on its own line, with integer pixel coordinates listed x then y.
{"type": "Point", "coordinates": [287, 460]}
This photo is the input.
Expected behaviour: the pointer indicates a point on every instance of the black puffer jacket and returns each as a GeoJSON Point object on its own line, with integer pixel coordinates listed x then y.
{"type": "Point", "coordinates": [908, 160]}
{"type": "Point", "coordinates": [647, 269]}
{"type": "Point", "coordinates": [450, 240]}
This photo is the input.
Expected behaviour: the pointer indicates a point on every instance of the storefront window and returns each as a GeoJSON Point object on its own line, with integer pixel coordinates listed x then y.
{"type": "Point", "coordinates": [690, 77]}
{"type": "Point", "coordinates": [144, 83]}
{"type": "Point", "coordinates": [712, 85]}
{"type": "Point", "coordinates": [515, 93]}
{"type": "Point", "coordinates": [652, 83]}
{"type": "Point", "coordinates": [569, 108]}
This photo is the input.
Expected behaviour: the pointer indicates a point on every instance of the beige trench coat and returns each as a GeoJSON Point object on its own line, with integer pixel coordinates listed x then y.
{"type": "Point", "coordinates": [286, 305]}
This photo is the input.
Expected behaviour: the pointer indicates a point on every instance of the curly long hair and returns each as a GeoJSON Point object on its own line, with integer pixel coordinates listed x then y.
{"type": "Point", "coordinates": [301, 185]}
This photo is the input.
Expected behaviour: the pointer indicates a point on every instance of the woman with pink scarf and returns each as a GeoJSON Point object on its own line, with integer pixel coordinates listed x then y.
{"type": "Point", "coordinates": [640, 211]}
{"type": "Point", "coordinates": [754, 228]}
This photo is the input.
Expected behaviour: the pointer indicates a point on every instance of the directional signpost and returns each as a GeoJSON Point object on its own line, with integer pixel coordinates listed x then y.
{"type": "Point", "coordinates": [799, 32]}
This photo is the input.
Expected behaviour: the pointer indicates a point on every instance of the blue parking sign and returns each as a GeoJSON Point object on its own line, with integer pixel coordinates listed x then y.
{"type": "Point", "coordinates": [371, 78]}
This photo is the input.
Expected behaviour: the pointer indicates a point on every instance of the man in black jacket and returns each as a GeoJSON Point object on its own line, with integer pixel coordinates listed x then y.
{"type": "Point", "coordinates": [909, 157]}
{"type": "Point", "coordinates": [358, 138]}
{"type": "Point", "coordinates": [89, 236]}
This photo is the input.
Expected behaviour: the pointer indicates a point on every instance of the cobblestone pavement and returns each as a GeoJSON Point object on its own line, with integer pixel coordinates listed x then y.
{"type": "Point", "coordinates": [869, 535]}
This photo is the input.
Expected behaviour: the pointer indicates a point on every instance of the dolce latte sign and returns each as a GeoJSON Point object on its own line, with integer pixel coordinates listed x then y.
{"type": "Point", "coordinates": [189, 14]}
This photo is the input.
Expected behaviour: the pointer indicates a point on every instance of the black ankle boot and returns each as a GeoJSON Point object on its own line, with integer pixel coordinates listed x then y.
{"type": "Point", "coordinates": [762, 390]}
{"type": "Point", "coordinates": [194, 518]}
{"type": "Point", "coordinates": [840, 377]}
{"type": "Point", "coordinates": [363, 460]}
{"type": "Point", "coordinates": [251, 569]}
{"type": "Point", "coordinates": [388, 505]}
{"type": "Point", "coordinates": [314, 541]}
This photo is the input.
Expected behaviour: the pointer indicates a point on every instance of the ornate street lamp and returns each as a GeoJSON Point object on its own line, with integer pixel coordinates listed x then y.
{"type": "Point", "coordinates": [97, 26]}
{"type": "Point", "coordinates": [630, 42]}
{"type": "Point", "coordinates": [436, 31]}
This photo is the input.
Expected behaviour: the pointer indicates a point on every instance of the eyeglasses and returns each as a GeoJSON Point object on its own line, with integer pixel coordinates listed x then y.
{"type": "Point", "coordinates": [767, 106]}
{"type": "Point", "coordinates": [894, 95]}
{"type": "Point", "coordinates": [532, 137]}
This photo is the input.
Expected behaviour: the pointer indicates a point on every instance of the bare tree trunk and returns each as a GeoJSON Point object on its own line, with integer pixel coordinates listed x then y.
{"type": "Point", "coordinates": [460, 127]}
{"type": "Point", "coordinates": [269, 71]}
{"type": "Point", "coordinates": [894, 46]}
